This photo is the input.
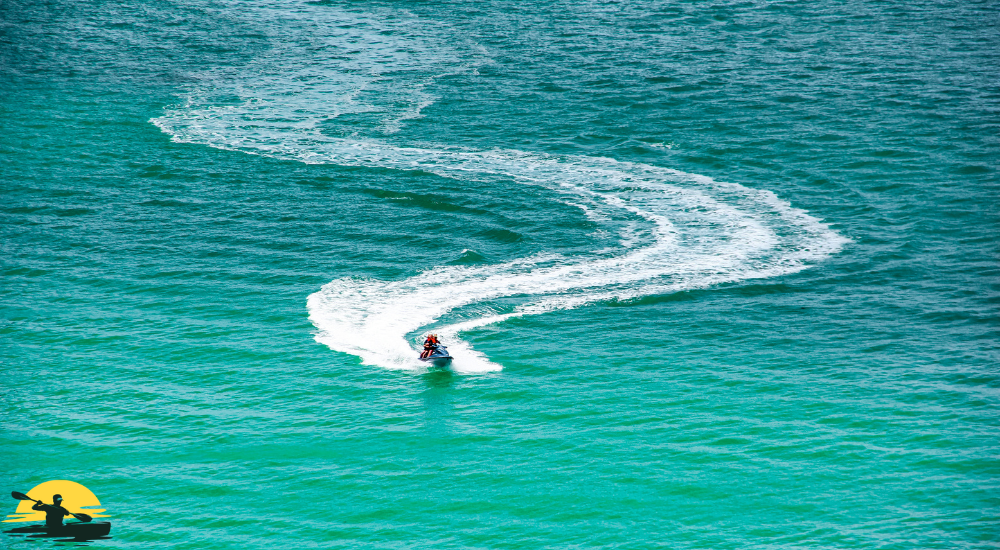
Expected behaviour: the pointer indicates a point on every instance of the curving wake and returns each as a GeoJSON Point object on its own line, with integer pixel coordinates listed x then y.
{"type": "Point", "coordinates": [678, 231]}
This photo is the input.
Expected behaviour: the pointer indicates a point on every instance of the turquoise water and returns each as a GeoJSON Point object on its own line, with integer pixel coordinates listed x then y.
{"type": "Point", "coordinates": [715, 275]}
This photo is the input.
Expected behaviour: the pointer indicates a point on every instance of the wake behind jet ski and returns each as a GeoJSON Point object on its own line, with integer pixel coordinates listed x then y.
{"type": "Point", "coordinates": [434, 352]}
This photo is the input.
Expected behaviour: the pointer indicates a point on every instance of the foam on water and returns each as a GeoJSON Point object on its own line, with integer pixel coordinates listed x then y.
{"type": "Point", "coordinates": [678, 230]}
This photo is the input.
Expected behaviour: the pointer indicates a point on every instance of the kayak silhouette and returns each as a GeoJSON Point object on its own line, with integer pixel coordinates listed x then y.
{"type": "Point", "coordinates": [84, 529]}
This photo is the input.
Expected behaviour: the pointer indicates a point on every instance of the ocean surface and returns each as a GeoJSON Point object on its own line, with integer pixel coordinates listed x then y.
{"type": "Point", "coordinates": [716, 275]}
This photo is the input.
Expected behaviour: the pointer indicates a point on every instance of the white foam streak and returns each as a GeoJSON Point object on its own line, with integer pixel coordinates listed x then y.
{"type": "Point", "coordinates": [678, 230]}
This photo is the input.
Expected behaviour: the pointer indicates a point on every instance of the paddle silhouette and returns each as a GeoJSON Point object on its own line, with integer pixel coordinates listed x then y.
{"type": "Point", "coordinates": [22, 496]}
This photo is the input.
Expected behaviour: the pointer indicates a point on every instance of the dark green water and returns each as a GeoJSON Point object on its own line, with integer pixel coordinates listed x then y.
{"type": "Point", "coordinates": [715, 275]}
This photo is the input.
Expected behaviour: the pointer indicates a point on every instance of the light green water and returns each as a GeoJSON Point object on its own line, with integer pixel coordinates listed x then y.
{"type": "Point", "coordinates": [716, 275]}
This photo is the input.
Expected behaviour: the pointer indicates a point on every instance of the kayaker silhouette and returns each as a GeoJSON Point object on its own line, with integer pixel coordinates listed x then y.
{"type": "Point", "coordinates": [84, 529]}
{"type": "Point", "coordinates": [54, 513]}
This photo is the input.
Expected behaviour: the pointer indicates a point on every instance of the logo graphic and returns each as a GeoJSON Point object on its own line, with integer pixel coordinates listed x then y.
{"type": "Point", "coordinates": [68, 499]}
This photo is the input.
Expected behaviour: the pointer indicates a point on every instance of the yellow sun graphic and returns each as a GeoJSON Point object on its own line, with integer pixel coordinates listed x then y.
{"type": "Point", "coordinates": [76, 498]}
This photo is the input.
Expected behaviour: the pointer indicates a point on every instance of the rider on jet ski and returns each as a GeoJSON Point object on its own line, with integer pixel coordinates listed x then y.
{"type": "Point", "coordinates": [430, 344]}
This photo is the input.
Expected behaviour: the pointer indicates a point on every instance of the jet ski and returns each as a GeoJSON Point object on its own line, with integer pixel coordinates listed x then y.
{"type": "Point", "coordinates": [439, 357]}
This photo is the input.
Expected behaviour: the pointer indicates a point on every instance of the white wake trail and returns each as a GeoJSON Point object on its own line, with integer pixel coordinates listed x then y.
{"type": "Point", "coordinates": [678, 230]}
